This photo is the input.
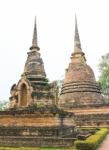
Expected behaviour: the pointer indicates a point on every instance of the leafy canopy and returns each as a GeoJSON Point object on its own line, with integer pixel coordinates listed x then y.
{"type": "Point", "coordinates": [104, 75]}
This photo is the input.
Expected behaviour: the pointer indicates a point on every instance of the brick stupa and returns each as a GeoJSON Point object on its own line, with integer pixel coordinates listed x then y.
{"type": "Point", "coordinates": [79, 88]}
{"type": "Point", "coordinates": [33, 87]}
{"type": "Point", "coordinates": [33, 119]}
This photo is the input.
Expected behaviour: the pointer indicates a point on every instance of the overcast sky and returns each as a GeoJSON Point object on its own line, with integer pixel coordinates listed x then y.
{"type": "Point", "coordinates": [55, 25]}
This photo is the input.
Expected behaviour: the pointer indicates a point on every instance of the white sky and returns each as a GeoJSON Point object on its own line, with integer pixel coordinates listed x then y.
{"type": "Point", "coordinates": [55, 25]}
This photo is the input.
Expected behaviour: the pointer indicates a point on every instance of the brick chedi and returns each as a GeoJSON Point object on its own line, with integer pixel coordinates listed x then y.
{"type": "Point", "coordinates": [33, 119]}
{"type": "Point", "coordinates": [33, 87]}
{"type": "Point", "coordinates": [79, 88]}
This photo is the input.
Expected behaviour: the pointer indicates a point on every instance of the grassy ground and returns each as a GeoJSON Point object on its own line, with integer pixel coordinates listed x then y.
{"type": "Point", "coordinates": [22, 148]}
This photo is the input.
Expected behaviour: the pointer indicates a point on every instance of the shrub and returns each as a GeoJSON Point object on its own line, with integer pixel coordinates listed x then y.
{"type": "Point", "coordinates": [20, 148]}
{"type": "Point", "coordinates": [92, 142]}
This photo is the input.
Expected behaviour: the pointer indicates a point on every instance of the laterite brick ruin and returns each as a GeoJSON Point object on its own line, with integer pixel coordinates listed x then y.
{"type": "Point", "coordinates": [38, 116]}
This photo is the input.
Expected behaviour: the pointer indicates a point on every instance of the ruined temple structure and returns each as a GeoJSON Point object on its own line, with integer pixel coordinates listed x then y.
{"type": "Point", "coordinates": [79, 88]}
{"type": "Point", "coordinates": [36, 128]}
{"type": "Point", "coordinates": [33, 87]}
{"type": "Point", "coordinates": [33, 119]}
{"type": "Point", "coordinates": [80, 93]}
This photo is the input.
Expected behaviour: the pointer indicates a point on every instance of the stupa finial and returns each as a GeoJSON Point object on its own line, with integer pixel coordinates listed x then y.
{"type": "Point", "coordinates": [77, 43]}
{"type": "Point", "coordinates": [35, 39]}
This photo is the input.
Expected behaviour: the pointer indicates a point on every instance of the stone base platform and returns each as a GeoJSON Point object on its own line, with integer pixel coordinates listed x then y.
{"type": "Point", "coordinates": [91, 116]}
{"type": "Point", "coordinates": [38, 129]}
{"type": "Point", "coordinates": [29, 141]}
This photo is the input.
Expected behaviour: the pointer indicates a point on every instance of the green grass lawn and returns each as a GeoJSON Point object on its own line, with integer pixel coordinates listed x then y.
{"type": "Point", "coordinates": [57, 149]}
{"type": "Point", "coordinates": [24, 148]}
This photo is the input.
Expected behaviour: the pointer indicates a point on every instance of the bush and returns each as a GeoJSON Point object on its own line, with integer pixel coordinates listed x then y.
{"type": "Point", "coordinates": [25, 148]}
{"type": "Point", "coordinates": [20, 148]}
{"type": "Point", "coordinates": [92, 142]}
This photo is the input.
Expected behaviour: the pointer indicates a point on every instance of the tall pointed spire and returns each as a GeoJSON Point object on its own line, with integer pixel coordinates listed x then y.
{"type": "Point", "coordinates": [77, 43]}
{"type": "Point", "coordinates": [35, 40]}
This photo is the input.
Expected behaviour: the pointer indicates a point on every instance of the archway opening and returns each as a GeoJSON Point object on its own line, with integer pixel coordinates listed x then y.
{"type": "Point", "coordinates": [23, 100]}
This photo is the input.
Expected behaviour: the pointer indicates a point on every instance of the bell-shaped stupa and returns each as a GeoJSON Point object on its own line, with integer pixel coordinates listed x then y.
{"type": "Point", "coordinates": [79, 88]}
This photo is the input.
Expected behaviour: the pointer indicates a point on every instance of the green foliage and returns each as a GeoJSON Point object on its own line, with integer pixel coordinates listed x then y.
{"type": "Point", "coordinates": [82, 60]}
{"type": "Point", "coordinates": [3, 105]}
{"type": "Point", "coordinates": [40, 105]}
{"type": "Point", "coordinates": [57, 149]}
{"type": "Point", "coordinates": [92, 142]}
{"type": "Point", "coordinates": [25, 148]}
{"type": "Point", "coordinates": [104, 75]}
{"type": "Point", "coordinates": [59, 84]}
{"type": "Point", "coordinates": [20, 148]}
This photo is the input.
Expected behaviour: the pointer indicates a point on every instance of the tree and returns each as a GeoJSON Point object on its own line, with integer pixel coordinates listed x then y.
{"type": "Point", "coordinates": [104, 75]}
{"type": "Point", "coordinates": [3, 105]}
{"type": "Point", "coordinates": [59, 83]}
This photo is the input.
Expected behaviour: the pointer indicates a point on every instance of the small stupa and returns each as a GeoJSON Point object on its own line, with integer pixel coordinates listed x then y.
{"type": "Point", "coordinates": [33, 87]}
{"type": "Point", "coordinates": [80, 87]}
